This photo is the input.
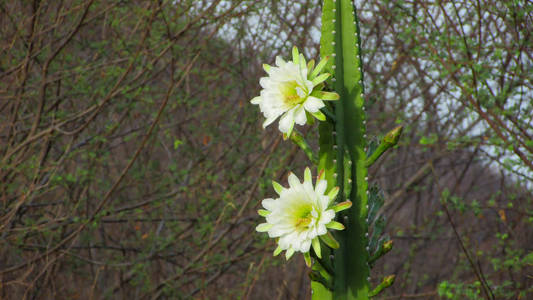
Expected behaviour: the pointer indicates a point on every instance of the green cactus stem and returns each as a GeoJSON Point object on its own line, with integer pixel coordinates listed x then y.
{"type": "Point", "coordinates": [388, 141]}
{"type": "Point", "coordinates": [385, 283]}
{"type": "Point", "coordinates": [384, 249]}
{"type": "Point", "coordinates": [342, 153]}
{"type": "Point", "coordinates": [343, 157]}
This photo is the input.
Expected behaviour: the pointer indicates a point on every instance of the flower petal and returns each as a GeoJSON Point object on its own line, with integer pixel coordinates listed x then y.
{"type": "Point", "coordinates": [293, 181]}
{"type": "Point", "coordinates": [295, 55]}
{"type": "Point", "coordinates": [278, 231]}
{"type": "Point", "coordinates": [319, 115]}
{"type": "Point", "coordinates": [269, 121]}
{"type": "Point", "coordinates": [267, 68]}
{"type": "Point", "coordinates": [306, 245]}
{"type": "Point", "coordinates": [264, 82]}
{"type": "Point", "coordinates": [321, 230]}
{"type": "Point", "coordinates": [286, 122]}
{"type": "Point", "coordinates": [321, 64]}
{"type": "Point", "coordinates": [307, 175]}
{"type": "Point", "coordinates": [333, 193]}
{"type": "Point", "coordinates": [289, 253]}
{"type": "Point", "coordinates": [320, 78]}
{"type": "Point", "coordinates": [277, 187]}
{"type": "Point", "coordinates": [310, 65]}
{"type": "Point", "coordinates": [263, 227]}
{"type": "Point", "coordinates": [307, 258]}
{"type": "Point", "coordinates": [280, 62]}
{"type": "Point", "coordinates": [342, 206]}
{"type": "Point", "coordinates": [335, 225]}
{"type": "Point", "coordinates": [299, 116]}
{"type": "Point", "coordinates": [328, 96]}
{"type": "Point", "coordinates": [313, 104]}
{"type": "Point", "coordinates": [328, 215]}
{"type": "Point", "coordinates": [316, 247]}
{"type": "Point", "coordinates": [321, 187]}
{"type": "Point", "coordinates": [263, 212]}
{"type": "Point", "coordinates": [269, 204]}
{"type": "Point", "coordinates": [329, 240]}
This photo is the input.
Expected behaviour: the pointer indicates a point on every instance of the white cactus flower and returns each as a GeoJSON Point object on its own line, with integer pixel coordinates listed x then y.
{"type": "Point", "coordinates": [291, 89]}
{"type": "Point", "coordinates": [301, 215]}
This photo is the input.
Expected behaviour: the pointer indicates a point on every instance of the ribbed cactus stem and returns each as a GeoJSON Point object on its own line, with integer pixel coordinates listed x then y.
{"type": "Point", "coordinates": [340, 39]}
{"type": "Point", "coordinates": [351, 269]}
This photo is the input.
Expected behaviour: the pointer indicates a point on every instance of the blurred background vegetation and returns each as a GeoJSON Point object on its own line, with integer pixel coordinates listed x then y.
{"type": "Point", "coordinates": [132, 164]}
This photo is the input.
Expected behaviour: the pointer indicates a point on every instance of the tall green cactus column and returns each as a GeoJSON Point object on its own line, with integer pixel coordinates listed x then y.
{"type": "Point", "coordinates": [342, 154]}
{"type": "Point", "coordinates": [341, 200]}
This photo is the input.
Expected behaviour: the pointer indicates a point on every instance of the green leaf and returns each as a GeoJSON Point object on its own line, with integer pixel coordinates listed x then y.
{"type": "Point", "coordinates": [177, 143]}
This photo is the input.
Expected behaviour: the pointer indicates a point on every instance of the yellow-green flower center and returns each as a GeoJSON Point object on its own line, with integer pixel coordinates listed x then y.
{"type": "Point", "coordinates": [303, 217]}
{"type": "Point", "coordinates": [293, 93]}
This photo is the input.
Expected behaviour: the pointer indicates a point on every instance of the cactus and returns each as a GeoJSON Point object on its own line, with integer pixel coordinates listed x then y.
{"type": "Point", "coordinates": [340, 200]}
{"type": "Point", "coordinates": [343, 156]}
